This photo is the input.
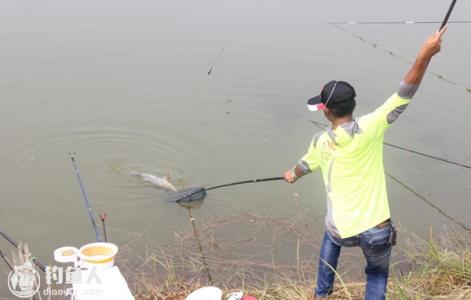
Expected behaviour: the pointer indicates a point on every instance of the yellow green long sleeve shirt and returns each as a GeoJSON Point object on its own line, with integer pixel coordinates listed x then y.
{"type": "Point", "coordinates": [351, 160]}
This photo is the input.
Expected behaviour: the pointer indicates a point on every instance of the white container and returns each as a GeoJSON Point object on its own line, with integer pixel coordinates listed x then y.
{"type": "Point", "coordinates": [98, 255]}
{"type": "Point", "coordinates": [206, 293]}
{"type": "Point", "coordinates": [66, 255]}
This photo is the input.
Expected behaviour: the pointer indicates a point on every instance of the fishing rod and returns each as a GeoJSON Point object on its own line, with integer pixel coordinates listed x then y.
{"type": "Point", "coordinates": [448, 14]}
{"type": "Point", "coordinates": [396, 22]}
{"type": "Point", "coordinates": [199, 193]}
{"type": "Point", "coordinates": [10, 266]}
{"type": "Point", "coordinates": [5, 259]}
{"type": "Point", "coordinates": [376, 46]}
{"type": "Point", "coordinates": [85, 198]}
{"type": "Point", "coordinates": [16, 245]}
{"type": "Point", "coordinates": [443, 23]}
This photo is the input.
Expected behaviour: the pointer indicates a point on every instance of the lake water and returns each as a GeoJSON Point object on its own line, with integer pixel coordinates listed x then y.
{"type": "Point", "coordinates": [124, 84]}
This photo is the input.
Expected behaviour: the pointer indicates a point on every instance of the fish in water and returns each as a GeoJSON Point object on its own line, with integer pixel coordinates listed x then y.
{"type": "Point", "coordinates": [162, 183]}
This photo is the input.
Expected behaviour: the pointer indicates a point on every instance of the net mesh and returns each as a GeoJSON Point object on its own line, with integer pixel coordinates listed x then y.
{"type": "Point", "coordinates": [187, 195]}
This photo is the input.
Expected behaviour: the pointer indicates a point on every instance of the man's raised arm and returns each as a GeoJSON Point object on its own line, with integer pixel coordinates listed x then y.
{"type": "Point", "coordinates": [412, 80]}
{"type": "Point", "coordinates": [379, 120]}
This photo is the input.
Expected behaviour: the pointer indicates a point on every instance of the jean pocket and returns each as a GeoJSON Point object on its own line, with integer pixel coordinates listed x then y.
{"type": "Point", "coordinates": [378, 238]}
{"type": "Point", "coordinates": [380, 241]}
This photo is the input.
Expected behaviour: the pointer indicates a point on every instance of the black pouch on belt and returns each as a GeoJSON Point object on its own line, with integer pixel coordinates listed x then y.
{"type": "Point", "coordinates": [393, 235]}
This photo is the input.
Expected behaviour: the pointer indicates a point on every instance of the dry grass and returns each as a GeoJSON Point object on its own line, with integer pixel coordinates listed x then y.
{"type": "Point", "coordinates": [276, 259]}
{"type": "Point", "coordinates": [441, 269]}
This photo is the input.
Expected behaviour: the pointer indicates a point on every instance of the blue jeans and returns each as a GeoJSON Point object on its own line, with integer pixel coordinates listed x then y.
{"type": "Point", "coordinates": [376, 247]}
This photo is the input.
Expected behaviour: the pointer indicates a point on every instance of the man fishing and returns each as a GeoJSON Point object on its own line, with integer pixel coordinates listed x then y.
{"type": "Point", "coordinates": [350, 156]}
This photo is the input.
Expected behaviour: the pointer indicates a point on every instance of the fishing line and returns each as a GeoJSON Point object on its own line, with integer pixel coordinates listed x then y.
{"type": "Point", "coordinates": [208, 76]}
{"type": "Point", "coordinates": [417, 194]}
{"type": "Point", "coordinates": [215, 61]}
{"type": "Point", "coordinates": [395, 22]}
{"type": "Point", "coordinates": [428, 156]}
{"type": "Point", "coordinates": [377, 47]}
{"type": "Point", "coordinates": [443, 213]}
{"type": "Point", "coordinates": [450, 162]}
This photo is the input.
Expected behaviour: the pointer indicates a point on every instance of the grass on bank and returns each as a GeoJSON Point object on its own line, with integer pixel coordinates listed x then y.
{"type": "Point", "coordinates": [436, 268]}
{"type": "Point", "coordinates": [439, 270]}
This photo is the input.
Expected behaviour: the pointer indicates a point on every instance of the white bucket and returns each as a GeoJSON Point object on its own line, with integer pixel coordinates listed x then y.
{"type": "Point", "coordinates": [206, 293]}
{"type": "Point", "coordinates": [99, 255]}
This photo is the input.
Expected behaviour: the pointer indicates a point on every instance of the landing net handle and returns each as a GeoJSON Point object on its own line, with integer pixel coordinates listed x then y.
{"type": "Point", "coordinates": [199, 193]}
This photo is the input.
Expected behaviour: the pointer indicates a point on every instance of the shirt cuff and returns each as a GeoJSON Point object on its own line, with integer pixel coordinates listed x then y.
{"type": "Point", "coordinates": [304, 167]}
{"type": "Point", "coordinates": [407, 90]}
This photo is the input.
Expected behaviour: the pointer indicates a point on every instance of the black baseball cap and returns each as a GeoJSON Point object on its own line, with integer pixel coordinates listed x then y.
{"type": "Point", "coordinates": [332, 93]}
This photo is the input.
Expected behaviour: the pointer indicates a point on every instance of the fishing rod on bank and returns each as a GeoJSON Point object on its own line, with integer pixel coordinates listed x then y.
{"type": "Point", "coordinates": [5, 259]}
{"type": "Point", "coordinates": [10, 266]}
{"type": "Point", "coordinates": [103, 218]}
{"type": "Point", "coordinates": [16, 245]}
{"type": "Point", "coordinates": [85, 197]}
